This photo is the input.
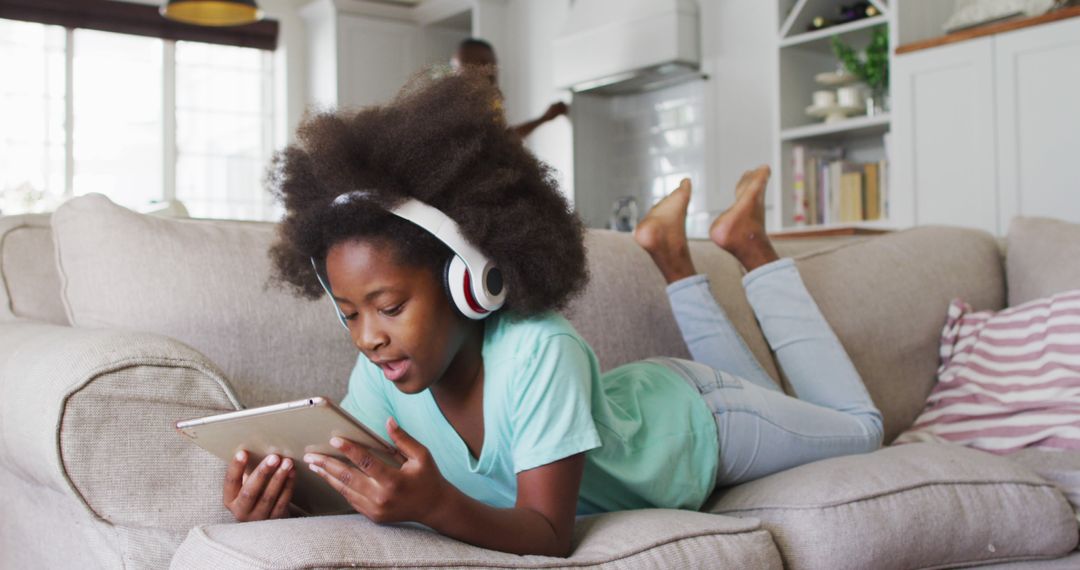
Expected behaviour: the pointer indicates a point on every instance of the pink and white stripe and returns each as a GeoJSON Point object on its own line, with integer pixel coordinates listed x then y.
{"type": "Point", "coordinates": [1007, 380]}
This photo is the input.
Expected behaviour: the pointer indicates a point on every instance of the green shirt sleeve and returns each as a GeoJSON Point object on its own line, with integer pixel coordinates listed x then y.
{"type": "Point", "coordinates": [551, 404]}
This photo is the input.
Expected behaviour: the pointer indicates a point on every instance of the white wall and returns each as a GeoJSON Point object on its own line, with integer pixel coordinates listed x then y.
{"type": "Point", "coordinates": [291, 63]}
{"type": "Point", "coordinates": [536, 24]}
{"type": "Point", "coordinates": [739, 54]}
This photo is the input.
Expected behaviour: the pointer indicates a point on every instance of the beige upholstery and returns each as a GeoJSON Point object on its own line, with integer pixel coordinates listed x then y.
{"type": "Point", "coordinates": [609, 304]}
{"type": "Point", "coordinates": [207, 285]}
{"type": "Point", "coordinates": [627, 540]}
{"type": "Point", "coordinates": [911, 506]}
{"type": "Point", "coordinates": [886, 300]}
{"type": "Point", "coordinates": [1043, 258]}
{"type": "Point", "coordinates": [173, 320]}
{"type": "Point", "coordinates": [117, 394]}
{"type": "Point", "coordinates": [1070, 562]}
{"type": "Point", "coordinates": [1062, 468]}
{"type": "Point", "coordinates": [29, 282]}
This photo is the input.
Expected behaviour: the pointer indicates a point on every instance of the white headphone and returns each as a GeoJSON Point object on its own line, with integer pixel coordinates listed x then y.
{"type": "Point", "coordinates": [474, 298]}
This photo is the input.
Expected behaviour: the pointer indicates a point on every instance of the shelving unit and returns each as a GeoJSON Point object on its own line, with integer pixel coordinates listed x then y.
{"type": "Point", "coordinates": [843, 29]}
{"type": "Point", "coordinates": [801, 55]}
{"type": "Point", "coordinates": [876, 125]}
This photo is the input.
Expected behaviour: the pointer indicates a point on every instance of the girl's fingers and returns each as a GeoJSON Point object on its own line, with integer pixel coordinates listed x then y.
{"type": "Point", "coordinates": [253, 487]}
{"type": "Point", "coordinates": [409, 447]}
{"type": "Point", "coordinates": [346, 479]}
{"type": "Point", "coordinates": [270, 494]}
{"type": "Point", "coordinates": [361, 457]}
{"type": "Point", "coordinates": [356, 499]}
{"type": "Point", "coordinates": [281, 509]}
{"type": "Point", "coordinates": [234, 477]}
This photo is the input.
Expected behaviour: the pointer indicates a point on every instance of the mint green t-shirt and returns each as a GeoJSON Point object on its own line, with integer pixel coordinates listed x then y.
{"type": "Point", "coordinates": [649, 438]}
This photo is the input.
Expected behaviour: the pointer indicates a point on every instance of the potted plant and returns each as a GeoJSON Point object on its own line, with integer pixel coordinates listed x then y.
{"type": "Point", "coordinates": [871, 66]}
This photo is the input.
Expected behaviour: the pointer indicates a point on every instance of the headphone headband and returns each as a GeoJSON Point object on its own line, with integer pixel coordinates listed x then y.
{"type": "Point", "coordinates": [435, 222]}
{"type": "Point", "coordinates": [481, 282]}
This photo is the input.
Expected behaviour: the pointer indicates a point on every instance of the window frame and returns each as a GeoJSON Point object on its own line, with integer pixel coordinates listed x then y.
{"type": "Point", "coordinates": [169, 148]}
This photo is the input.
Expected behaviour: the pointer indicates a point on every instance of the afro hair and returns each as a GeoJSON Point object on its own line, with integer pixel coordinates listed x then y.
{"type": "Point", "coordinates": [444, 141]}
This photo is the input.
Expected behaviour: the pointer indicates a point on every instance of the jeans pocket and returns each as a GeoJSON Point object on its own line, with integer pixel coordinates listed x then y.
{"type": "Point", "coordinates": [726, 380]}
{"type": "Point", "coordinates": [704, 378]}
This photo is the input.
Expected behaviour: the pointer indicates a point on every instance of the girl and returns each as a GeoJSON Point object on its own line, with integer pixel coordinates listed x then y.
{"type": "Point", "coordinates": [506, 425]}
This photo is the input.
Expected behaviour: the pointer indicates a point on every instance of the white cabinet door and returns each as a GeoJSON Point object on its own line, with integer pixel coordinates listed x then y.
{"type": "Point", "coordinates": [1038, 78]}
{"type": "Point", "coordinates": [943, 155]}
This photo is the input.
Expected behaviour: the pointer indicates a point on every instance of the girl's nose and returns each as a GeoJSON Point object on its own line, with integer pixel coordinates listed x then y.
{"type": "Point", "coordinates": [369, 338]}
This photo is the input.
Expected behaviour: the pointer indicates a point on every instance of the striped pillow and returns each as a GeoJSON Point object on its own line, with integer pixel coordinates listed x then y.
{"type": "Point", "coordinates": [1007, 380]}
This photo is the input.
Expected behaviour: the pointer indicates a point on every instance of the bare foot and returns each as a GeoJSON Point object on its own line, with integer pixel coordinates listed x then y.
{"type": "Point", "coordinates": [662, 233]}
{"type": "Point", "coordinates": [741, 228]}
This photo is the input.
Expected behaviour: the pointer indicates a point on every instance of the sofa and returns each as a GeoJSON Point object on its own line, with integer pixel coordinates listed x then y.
{"type": "Point", "coordinates": [114, 325]}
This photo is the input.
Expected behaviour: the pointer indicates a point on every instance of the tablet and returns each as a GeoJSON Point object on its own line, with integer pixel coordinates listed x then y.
{"type": "Point", "coordinates": [290, 429]}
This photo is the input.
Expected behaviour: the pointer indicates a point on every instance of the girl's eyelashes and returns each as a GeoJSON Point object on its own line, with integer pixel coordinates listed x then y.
{"type": "Point", "coordinates": [393, 311]}
{"type": "Point", "coordinates": [389, 312]}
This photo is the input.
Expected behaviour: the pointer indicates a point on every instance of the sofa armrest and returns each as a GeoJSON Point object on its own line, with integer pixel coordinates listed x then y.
{"type": "Point", "coordinates": [91, 413]}
{"type": "Point", "coordinates": [654, 538]}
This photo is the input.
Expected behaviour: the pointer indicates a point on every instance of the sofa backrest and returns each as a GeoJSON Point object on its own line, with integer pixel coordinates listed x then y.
{"type": "Point", "coordinates": [29, 282]}
{"type": "Point", "coordinates": [886, 300]}
{"type": "Point", "coordinates": [205, 284]}
{"type": "Point", "coordinates": [624, 312]}
{"type": "Point", "coordinates": [1043, 258]}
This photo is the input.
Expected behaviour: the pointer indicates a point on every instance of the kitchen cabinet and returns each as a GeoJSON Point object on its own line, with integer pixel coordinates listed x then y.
{"type": "Point", "coordinates": [943, 132]}
{"type": "Point", "coordinates": [1038, 122]}
{"type": "Point", "coordinates": [987, 129]}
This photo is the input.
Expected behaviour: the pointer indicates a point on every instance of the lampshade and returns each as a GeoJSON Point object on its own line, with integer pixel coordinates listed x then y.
{"type": "Point", "coordinates": [212, 12]}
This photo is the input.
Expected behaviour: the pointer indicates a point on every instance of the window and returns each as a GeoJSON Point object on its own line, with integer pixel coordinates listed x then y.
{"type": "Point", "coordinates": [136, 118]}
{"type": "Point", "coordinates": [32, 103]}
{"type": "Point", "coordinates": [224, 116]}
{"type": "Point", "coordinates": [117, 127]}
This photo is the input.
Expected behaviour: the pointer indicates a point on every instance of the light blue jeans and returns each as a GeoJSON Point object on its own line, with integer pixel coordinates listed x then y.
{"type": "Point", "coordinates": [762, 430]}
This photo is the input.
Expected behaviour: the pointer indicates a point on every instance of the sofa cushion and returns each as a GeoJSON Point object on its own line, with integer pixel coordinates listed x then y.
{"type": "Point", "coordinates": [1041, 258]}
{"type": "Point", "coordinates": [630, 539]}
{"type": "Point", "coordinates": [205, 284]}
{"type": "Point", "coordinates": [1062, 468]}
{"type": "Point", "coordinates": [1070, 562]}
{"type": "Point", "coordinates": [29, 282]}
{"type": "Point", "coordinates": [922, 505]}
{"type": "Point", "coordinates": [1007, 380]}
{"type": "Point", "coordinates": [886, 299]}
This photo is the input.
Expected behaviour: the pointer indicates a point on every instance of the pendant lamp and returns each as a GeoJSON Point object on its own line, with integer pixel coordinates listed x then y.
{"type": "Point", "coordinates": [212, 12]}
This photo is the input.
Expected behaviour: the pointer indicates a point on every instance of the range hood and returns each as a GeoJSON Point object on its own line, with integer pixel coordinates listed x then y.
{"type": "Point", "coordinates": [614, 47]}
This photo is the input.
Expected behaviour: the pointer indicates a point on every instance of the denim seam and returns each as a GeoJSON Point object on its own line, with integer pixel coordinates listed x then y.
{"type": "Point", "coordinates": [784, 429]}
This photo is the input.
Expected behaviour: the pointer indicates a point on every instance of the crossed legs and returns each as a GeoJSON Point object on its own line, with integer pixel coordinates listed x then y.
{"type": "Point", "coordinates": [761, 429]}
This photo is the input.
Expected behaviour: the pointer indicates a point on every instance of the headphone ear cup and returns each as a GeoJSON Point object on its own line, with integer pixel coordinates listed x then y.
{"type": "Point", "coordinates": [446, 284]}
{"type": "Point", "coordinates": [458, 282]}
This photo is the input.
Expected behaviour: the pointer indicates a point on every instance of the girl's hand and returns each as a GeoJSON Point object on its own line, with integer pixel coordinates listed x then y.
{"type": "Point", "coordinates": [262, 494]}
{"type": "Point", "coordinates": [381, 492]}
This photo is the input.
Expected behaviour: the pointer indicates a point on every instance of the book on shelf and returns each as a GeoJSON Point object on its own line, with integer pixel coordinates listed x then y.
{"type": "Point", "coordinates": [798, 174]}
{"type": "Point", "coordinates": [827, 189]}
